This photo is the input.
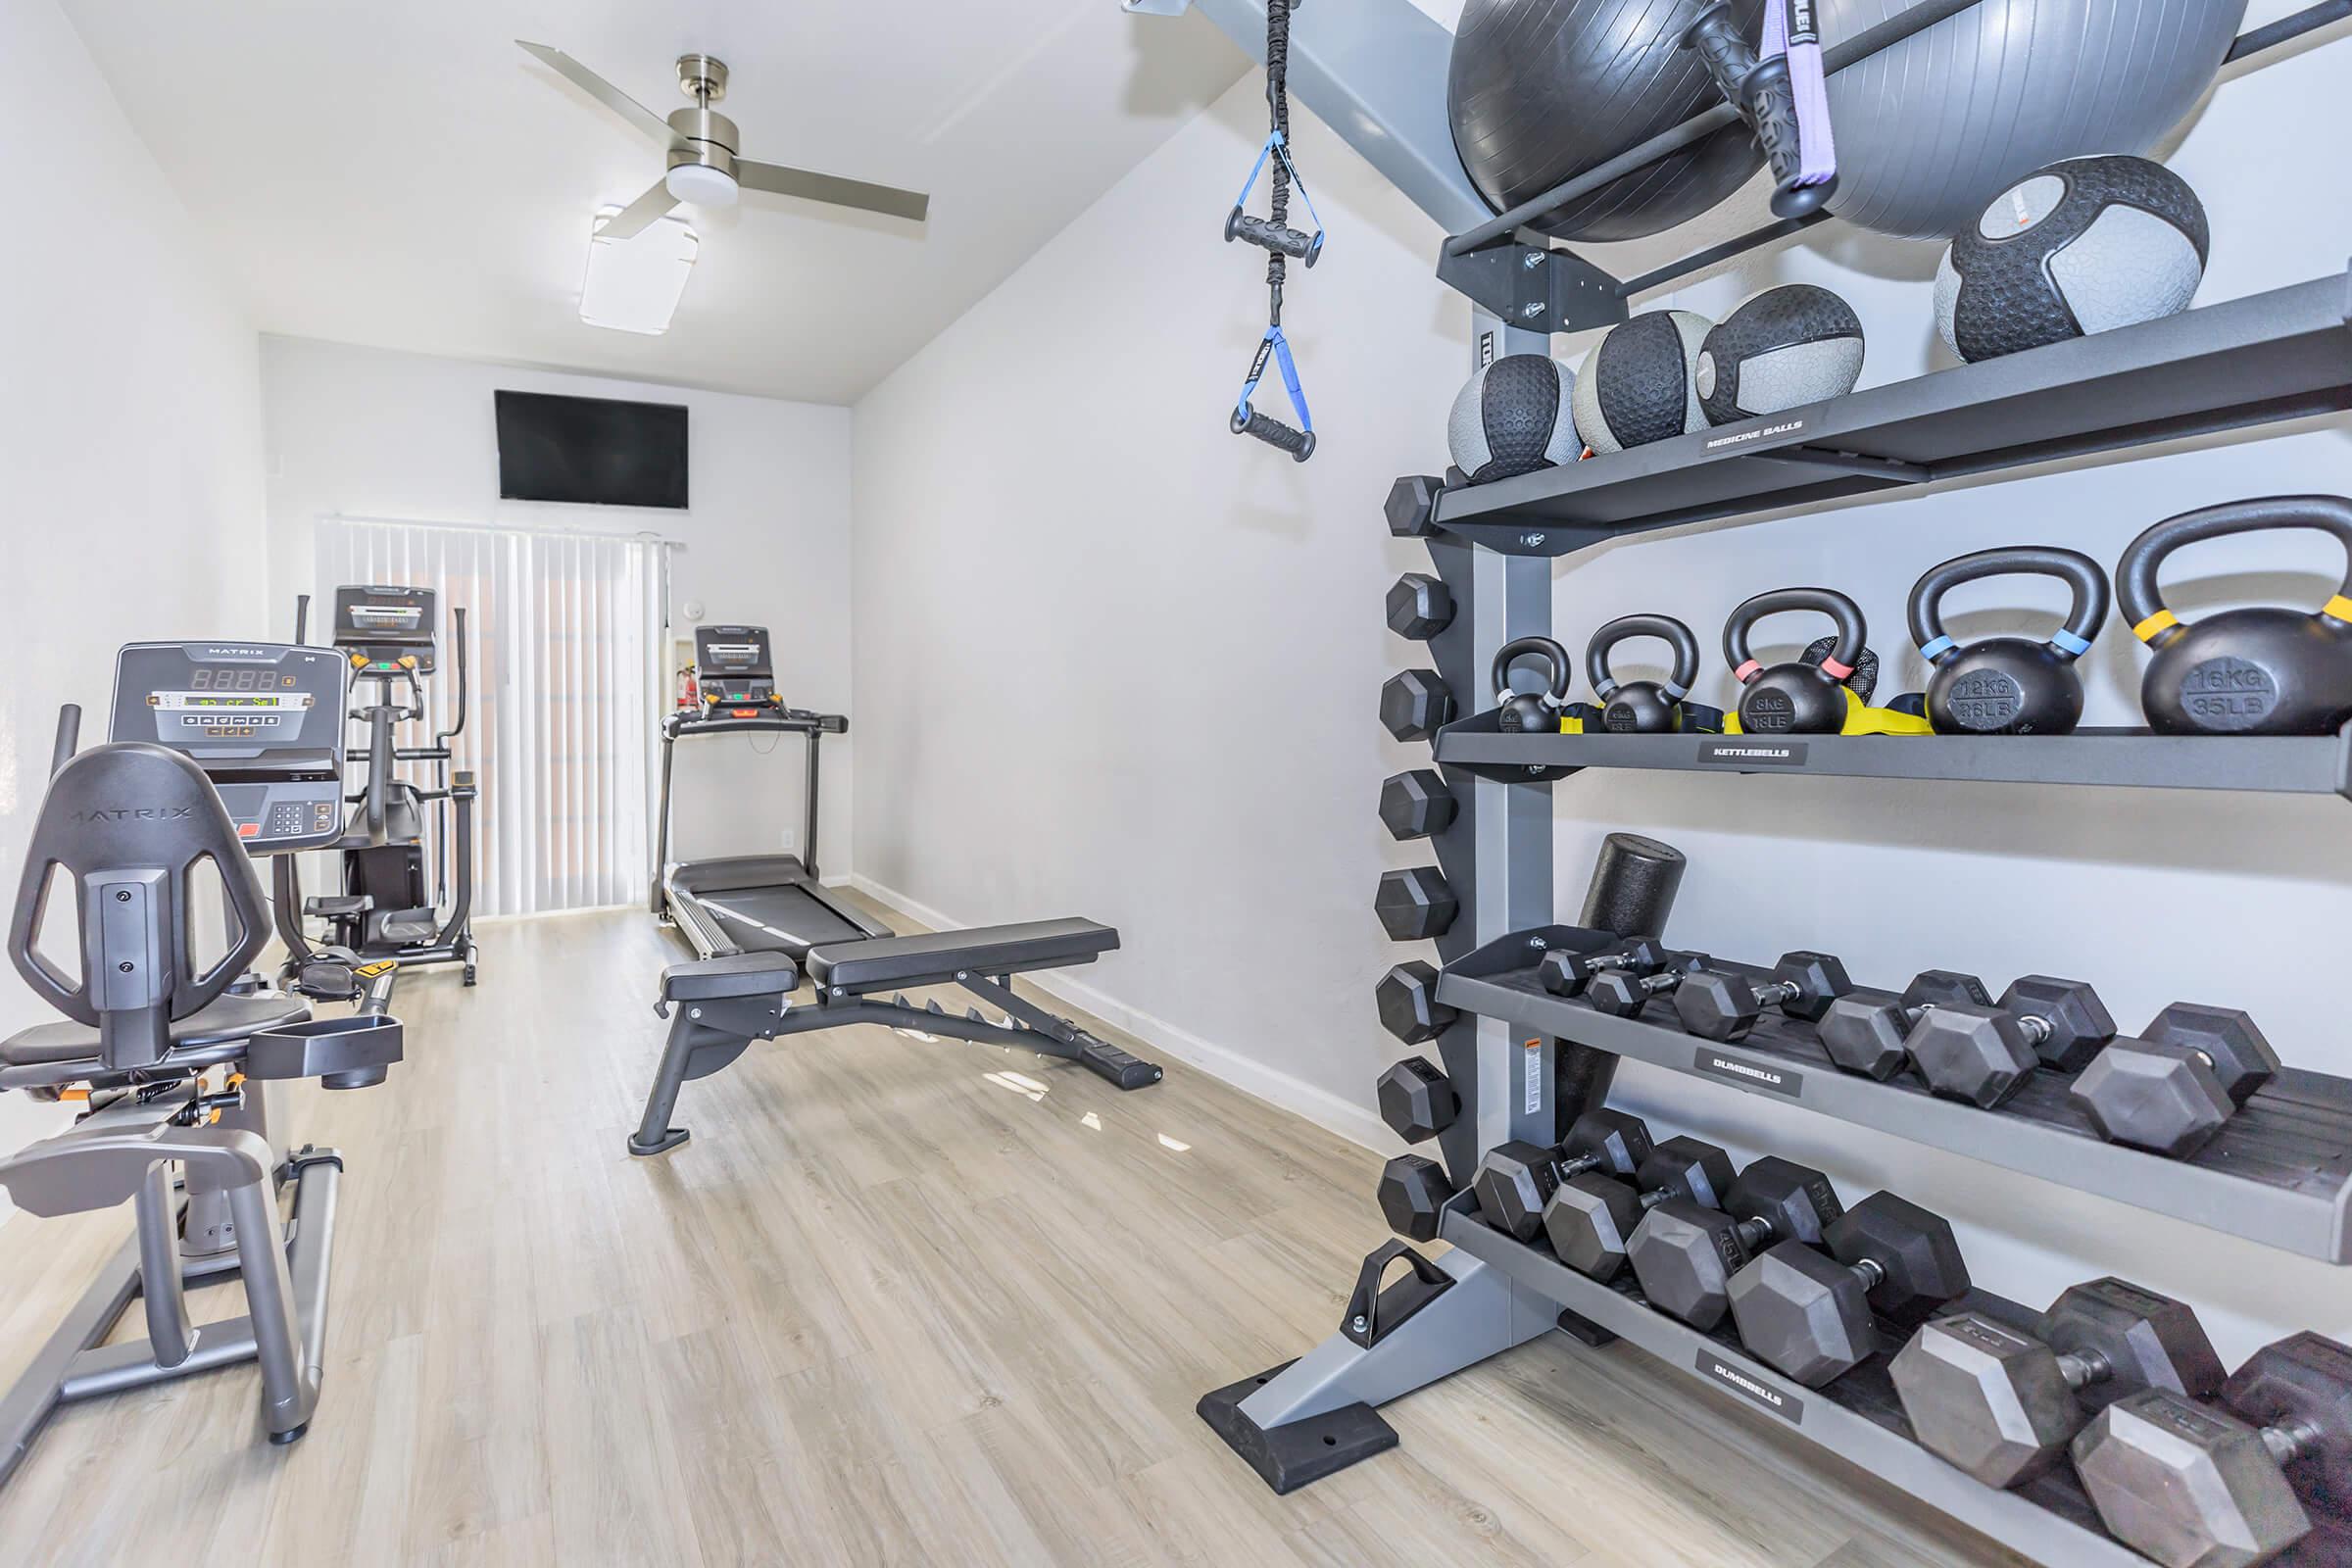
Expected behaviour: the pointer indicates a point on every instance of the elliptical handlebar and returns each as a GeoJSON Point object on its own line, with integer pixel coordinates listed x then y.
{"type": "Point", "coordinates": [443, 738]}
{"type": "Point", "coordinates": [69, 738]}
{"type": "Point", "coordinates": [379, 768]}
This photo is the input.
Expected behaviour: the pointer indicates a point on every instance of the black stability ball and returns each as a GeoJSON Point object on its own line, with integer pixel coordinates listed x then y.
{"type": "Point", "coordinates": [1541, 90]}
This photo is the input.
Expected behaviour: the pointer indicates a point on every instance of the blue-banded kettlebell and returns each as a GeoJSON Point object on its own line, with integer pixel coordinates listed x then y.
{"type": "Point", "coordinates": [2008, 685]}
{"type": "Point", "coordinates": [1795, 698]}
{"type": "Point", "coordinates": [1535, 713]}
{"type": "Point", "coordinates": [1643, 707]}
{"type": "Point", "coordinates": [2267, 670]}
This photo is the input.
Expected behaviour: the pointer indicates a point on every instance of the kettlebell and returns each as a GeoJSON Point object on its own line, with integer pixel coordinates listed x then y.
{"type": "Point", "coordinates": [2008, 685]}
{"type": "Point", "coordinates": [1530, 713]}
{"type": "Point", "coordinates": [1643, 707]}
{"type": "Point", "coordinates": [1794, 697]}
{"type": "Point", "coordinates": [2269, 671]}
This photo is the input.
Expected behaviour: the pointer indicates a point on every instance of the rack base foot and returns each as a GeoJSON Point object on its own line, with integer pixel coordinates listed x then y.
{"type": "Point", "coordinates": [1288, 1458]}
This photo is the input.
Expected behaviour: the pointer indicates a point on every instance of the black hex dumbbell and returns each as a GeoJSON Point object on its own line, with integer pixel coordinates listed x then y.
{"type": "Point", "coordinates": [1410, 505]}
{"type": "Point", "coordinates": [1416, 1098]}
{"type": "Point", "coordinates": [1622, 994]}
{"type": "Point", "coordinates": [1722, 1006]}
{"type": "Point", "coordinates": [1684, 1255]}
{"type": "Point", "coordinates": [2174, 1087]}
{"type": "Point", "coordinates": [1415, 903]}
{"type": "Point", "coordinates": [1416, 804]}
{"type": "Point", "coordinates": [1415, 705]}
{"type": "Point", "coordinates": [1412, 1189]}
{"type": "Point", "coordinates": [1864, 1031]}
{"type": "Point", "coordinates": [2003, 1404]}
{"type": "Point", "coordinates": [2193, 1485]}
{"type": "Point", "coordinates": [1984, 1054]}
{"type": "Point", "coordinates": [1811, 1315]}
{"type": "Point", "coordinates": [1409, 1009]}
{"type": "Point", "coordinates": [1515, 1179]}
{"type": "Point", "coordinates": [1419, 606]}
{"type": "Point", "coordinates": [1565, 972]}
{"type": "Point", "coordinates": [1590, 1219]}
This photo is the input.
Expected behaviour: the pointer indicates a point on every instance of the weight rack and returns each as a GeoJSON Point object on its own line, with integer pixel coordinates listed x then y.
{"type": "Point", "coordinates": [2279, 1175]}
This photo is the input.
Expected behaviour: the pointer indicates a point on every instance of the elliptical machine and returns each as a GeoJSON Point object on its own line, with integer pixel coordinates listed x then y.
{"type": "Point", "coordinates": [389, 636]}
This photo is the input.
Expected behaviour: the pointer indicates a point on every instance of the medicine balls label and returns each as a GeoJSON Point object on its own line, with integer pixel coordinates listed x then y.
{"type": "Point", "coordinates": [2227, 694]}
{"type": "Point", "coordinates": [1716, 1369]}
{"type": "Point", "coordinates": [1749, 1075]}
{"type": "Point", "coordinates": [1752, 753]}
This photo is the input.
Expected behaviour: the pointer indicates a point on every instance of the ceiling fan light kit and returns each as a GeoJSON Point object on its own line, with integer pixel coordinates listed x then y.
{"type": "Point", "coordinates": [702, 148]}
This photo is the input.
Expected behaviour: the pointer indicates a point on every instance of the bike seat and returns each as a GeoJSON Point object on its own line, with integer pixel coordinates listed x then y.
{"type": "Point", "coordinates": [233, 1017]}
{"type": "Point", "coordinates": [336, 905]}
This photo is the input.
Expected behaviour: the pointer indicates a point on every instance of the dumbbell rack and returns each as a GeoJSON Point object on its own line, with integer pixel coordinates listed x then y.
{"type": "Point", "coordinates": [2279, 1175]}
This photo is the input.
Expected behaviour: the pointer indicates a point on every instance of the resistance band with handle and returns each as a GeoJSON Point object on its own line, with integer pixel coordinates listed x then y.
{"type": "Point", "coordinates": [1281, 242]}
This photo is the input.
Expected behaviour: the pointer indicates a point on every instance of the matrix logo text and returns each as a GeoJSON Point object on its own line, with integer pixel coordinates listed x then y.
{"type": "Point", "coordinates": [133, 814]}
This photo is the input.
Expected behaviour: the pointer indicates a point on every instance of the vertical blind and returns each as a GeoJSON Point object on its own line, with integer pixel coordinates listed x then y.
{"type": "Point", "coordinates": [564, 638]}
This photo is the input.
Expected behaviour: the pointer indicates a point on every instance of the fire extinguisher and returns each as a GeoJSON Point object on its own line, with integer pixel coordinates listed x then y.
{"type": "Point", "coordinates": [690, 695]}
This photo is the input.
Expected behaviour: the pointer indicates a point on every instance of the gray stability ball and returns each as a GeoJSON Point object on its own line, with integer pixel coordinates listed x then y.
{"type": "Point", "coordinates": [1931, 129]}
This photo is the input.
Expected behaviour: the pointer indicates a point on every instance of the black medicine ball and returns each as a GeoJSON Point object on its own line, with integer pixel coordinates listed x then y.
{"type": "Point", "coordinates": [1639, 382]}
{"type": "Point", "coordinates": [1788, 346]}
{"type": "Point", "coordinates": [1513, 417]}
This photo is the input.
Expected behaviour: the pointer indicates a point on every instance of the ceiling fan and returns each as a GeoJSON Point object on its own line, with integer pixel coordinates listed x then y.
{"type": "Point", "coordinates": [703, 168]}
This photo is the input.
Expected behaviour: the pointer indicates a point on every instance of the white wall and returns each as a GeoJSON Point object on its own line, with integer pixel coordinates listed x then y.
{"type": "Point", "coordinates": [129, 433]}
{"type": "Point", "coordinates": [371, 434]}
{"type": "Point", "coordinates": [1113, 661]}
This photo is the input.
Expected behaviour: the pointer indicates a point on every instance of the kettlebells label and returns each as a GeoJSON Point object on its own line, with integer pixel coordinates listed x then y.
{"type": "Point", "coordinates": [1747, 752]}
{"type": "Point", "coordinates": [2227, 694]}
{"type": "Point", "coordinates": [1751, 1074]}
{"type": "Point", "coordinates": [1754, 1390]}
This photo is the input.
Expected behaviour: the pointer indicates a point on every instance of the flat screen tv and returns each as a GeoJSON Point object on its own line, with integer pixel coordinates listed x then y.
{"type": "Point", "coordinates": [599, 451]}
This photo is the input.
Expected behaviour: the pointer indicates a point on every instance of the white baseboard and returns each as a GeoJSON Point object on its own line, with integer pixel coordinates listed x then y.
{"type": "Point", "coordinates": [1359, 1124]}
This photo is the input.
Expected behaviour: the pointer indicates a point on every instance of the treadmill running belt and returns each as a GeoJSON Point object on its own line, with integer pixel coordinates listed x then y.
{"type": "Point", "coordinates": [779, 919]}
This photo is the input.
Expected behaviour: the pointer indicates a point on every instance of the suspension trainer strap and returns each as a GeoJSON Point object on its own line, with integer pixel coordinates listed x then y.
{"type": "Point", "coordinates": [1280, 243]}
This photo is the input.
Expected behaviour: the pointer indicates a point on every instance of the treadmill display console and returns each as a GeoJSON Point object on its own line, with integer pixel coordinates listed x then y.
{"type": "Point", "coordinates": [736, 669]}
{"type": "Point", "coordinates": [263, 721]}
{"type": "Point", "coordinates": [386, 630]}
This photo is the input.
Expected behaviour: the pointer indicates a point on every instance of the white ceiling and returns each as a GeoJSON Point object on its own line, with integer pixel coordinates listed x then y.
{"type": "Point", "coordinates": [403, 175]}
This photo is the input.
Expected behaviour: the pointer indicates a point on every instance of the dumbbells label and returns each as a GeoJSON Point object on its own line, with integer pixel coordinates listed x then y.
{"type": "Point", "coordinates": [1716, 1369]}
{"type": "Point", "coordinates": [1753, 753]}
{"type": "Point", "coordinates": [1749, 1075]}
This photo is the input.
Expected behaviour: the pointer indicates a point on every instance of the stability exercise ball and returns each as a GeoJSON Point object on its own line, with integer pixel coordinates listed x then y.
{"type": "Point", "coordinates": [1932, 129]}
{"type": "Point", "coordinates": [1541, 90]}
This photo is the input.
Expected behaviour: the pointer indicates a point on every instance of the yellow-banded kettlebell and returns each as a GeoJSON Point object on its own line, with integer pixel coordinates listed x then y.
{"type": "Point", "coordinates": [1795, 698]}
{"type": "Point", "coordinates": [1535, 713]}
{"type": "Point", "coordinates": [2267, 670]}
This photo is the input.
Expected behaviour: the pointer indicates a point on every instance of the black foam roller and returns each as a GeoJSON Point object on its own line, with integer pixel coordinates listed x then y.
{"type": "Point", "coordinates": [1633, 883]}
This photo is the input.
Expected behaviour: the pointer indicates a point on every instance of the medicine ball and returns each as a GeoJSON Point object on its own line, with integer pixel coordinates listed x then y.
{"type": "Point", "coordinates": [1928, 128]}
{"type": "Point", "coordinates": [1641, 383]}
{"type": "Point", "coordinates": [1541, 90]}
{"type": "Point", "coordinates": [1513, 418]}
{"type": "Point", "coordinates": [1788, 346]}
{"type": "Point", "coordinates": [2082, 246]}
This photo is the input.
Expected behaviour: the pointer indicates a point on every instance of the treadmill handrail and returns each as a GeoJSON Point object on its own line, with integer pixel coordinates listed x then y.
{"type": "Point", "coordinates": [788, 722]}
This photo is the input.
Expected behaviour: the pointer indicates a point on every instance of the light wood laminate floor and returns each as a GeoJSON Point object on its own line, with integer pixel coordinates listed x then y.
{"type": "Point", "coordinates": [898, 1302]}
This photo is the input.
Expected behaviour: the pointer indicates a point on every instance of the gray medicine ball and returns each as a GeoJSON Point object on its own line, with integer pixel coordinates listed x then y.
{"type": "Point", "coordinates": [2083, 246]}
{"type": "Point", "coordinates": [1513, 417]}
{"type": "Point", "coordinates": [1640, 384]}
{"type": "Point", "coordinates": [1788, 346]}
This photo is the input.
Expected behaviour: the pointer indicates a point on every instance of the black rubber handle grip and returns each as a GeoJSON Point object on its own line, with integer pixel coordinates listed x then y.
{"type": "Point", "coordinates": [2135, 575]}
{"type": "Point", "coordinates": [1678, 636]}
{"type": "Point", "coordinates": [1300, 444]}
{"type": "Point", "coordinates": [1269, 235]}
{"type": "Point", "coordinates": [1762, 93]}
{"type": "Point", "coordinates": [2076, 571]}
{"type": "Point", "coordinates": [1552, 653]}
{"type": "Point", "coordinates": [1852, 633]}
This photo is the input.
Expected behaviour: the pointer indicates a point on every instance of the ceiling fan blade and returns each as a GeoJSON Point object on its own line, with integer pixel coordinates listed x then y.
{"type": "Point", "coordinates": [888, 200]}
{"type": "Point", "coordinates": [632, 219]}
{"type": "Point", "coordinates": [604, 92]}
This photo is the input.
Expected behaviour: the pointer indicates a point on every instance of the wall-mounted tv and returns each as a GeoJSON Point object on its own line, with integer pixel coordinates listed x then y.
{"type": "Point", "coordinates": [597, 451]}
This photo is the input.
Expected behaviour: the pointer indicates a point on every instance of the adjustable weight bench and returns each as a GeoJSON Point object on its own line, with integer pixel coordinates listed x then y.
{"type": "Point", "coordinates": [725, 1004]}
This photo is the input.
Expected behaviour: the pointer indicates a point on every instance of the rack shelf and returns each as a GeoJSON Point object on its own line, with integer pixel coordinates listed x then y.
{"type": "Point", "coordinates": [2278, 764]}
{"type": "Point", "coordinates": [1857, 1417]}
{"type": "Point", "coordinates": [2281, 355]}
{"type": "Point", "coordinates": [2281, 1172]}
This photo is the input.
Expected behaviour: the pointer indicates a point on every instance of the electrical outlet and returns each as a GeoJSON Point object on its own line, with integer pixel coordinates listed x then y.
{"type": "Point", "coordinates": [790, 840]}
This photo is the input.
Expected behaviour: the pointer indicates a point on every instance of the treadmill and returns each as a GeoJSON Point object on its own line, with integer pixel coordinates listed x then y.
{"type": "Point", "coordinates": [749, 903]}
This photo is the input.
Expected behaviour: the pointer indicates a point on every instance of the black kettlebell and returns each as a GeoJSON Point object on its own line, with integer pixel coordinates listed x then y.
{"type": "Point", "coordinates": [2008, 685]}
{"type": "Point", "coordinates": [1535, 713]}
{"type": "Point", "coordinates": [1643, 707]}
{"type": "Point", "coordinates": [2263, 671]}
{"type": "Point", "coordinates": [1794, 697]}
